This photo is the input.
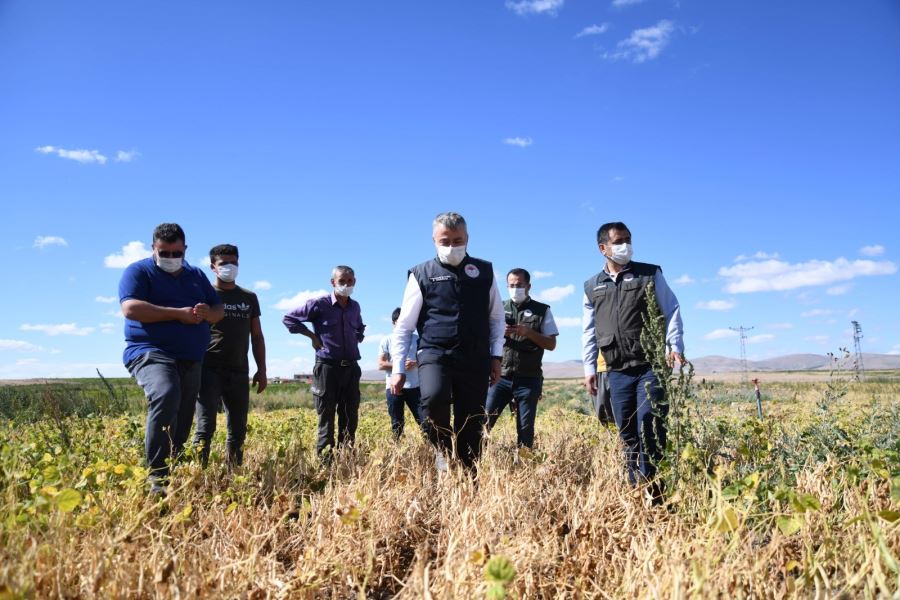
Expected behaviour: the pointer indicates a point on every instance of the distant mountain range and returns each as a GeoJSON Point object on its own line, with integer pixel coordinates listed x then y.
{"type": "Point", "coordinates": [723, 364]}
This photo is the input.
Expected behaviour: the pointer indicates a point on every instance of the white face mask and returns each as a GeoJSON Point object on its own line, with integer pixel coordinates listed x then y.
{"type": "Point", "coordinates": [169, 265]}
{"type": "Point", "coordinates": [621, 253]}
{"type": "Point", "coordinates": [451, 255]}
{"type": "Point", "coordinates": [518, 295]}
{"type": "Point", "coordinates": [227, 273]}
{"type": "Point", "coordinates": [343, 290]}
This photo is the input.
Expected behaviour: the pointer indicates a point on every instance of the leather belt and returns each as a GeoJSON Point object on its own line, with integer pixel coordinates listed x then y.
{"type": "Point", "coordinates": [334, 362]}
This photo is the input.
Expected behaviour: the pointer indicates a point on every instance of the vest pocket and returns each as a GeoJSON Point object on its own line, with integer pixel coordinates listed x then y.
{"type": "Point", "coordinates": [609, 349]}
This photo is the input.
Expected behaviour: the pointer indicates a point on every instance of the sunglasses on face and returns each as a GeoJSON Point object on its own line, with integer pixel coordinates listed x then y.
{"type": "Point", "coordinates": [170, 253]}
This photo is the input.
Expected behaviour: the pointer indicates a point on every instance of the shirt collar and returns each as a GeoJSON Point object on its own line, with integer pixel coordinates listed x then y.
{"type": "Point", "coordinates": [625, 269]}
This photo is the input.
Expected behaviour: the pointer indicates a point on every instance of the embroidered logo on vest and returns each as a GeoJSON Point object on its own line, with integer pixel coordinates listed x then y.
{"type": "Point", "coordinates": [472, 271]}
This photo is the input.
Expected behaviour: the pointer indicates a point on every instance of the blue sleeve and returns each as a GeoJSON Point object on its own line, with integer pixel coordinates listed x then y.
{"type": "Point", "coordinates": [212, 297]}
{"type": "Point", "coordinates": [668, 304]}
{"type": "Point", "coordinates": [134, 284]}
{"type": "Point", "coordinates": [589, 349]}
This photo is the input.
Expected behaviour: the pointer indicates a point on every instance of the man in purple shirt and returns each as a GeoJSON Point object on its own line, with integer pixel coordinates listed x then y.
{"type": "Point", "coordinates": [337, 331]}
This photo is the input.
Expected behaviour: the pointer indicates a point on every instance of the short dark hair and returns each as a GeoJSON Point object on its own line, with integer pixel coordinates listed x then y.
{"type": "Point", "coordinates": [395, 315]}
{"type": "Point", "coordinates": [603, 232]}
{"type": "Point", "coordinates": [519, 272]}
{"type": "Point", "coordinates": [168, 233]}
{"type": "Point", "coordinates": [220, 250]}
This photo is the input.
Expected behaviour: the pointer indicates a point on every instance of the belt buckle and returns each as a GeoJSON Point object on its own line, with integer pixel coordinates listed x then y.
{"type": "Point", "coordinates": [345, 363]}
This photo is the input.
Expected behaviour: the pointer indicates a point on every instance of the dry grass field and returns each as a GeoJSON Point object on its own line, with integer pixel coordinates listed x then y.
{"type": "Point", "coordinates": [805, 503]}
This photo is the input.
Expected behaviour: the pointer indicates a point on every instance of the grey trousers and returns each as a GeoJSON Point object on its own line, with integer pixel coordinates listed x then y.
{"type": "Point", "coordinates": [171, 386]}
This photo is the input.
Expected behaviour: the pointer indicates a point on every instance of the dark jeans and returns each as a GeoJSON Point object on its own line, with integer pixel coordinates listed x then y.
{"type": "Point", "coordinates": [464, 386]}
{"type": "Point", "coordinates": [410, 397]}
{"type": "Point", "coordinates": [336, 391]}
{"type": "Point", "coordinates": [642, 432]}
{"type": "Point", "coordinates": [525, 391]}
{"type": "Point", "coordinates": [171, 387]}
{"type": "Point", "coordinates": [232, 388]}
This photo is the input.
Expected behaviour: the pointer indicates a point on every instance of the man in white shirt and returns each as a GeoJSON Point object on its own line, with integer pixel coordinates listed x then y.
{"type": "Point", "coordinates": [454, 303]}
{"type": "Point", "coordinates": [409, 395]}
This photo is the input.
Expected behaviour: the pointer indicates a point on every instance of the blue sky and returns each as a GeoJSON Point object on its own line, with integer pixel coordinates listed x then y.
{"type": "Point", "coordinates": [753, 149]}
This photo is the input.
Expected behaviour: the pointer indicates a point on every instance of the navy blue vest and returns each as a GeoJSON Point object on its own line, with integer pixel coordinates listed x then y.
{"type": "Point", "coordinates": [455, 316]}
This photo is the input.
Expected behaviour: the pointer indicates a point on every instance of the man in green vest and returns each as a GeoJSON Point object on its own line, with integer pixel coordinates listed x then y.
{"type": "Point", "coordinates": [530, 329]}
{"type": "Point", "coordinates": [615, 304]}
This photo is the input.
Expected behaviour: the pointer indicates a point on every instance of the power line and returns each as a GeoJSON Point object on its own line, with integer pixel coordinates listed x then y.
{"type": "Point", "coordinates": [743, 333]}
{"type": "Point", "coordinates": [857, 348]}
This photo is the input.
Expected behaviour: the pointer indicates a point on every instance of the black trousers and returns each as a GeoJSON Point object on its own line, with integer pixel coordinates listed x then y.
{"type": "Point", "coordinates": [336, 392]}
{"type": "Point", "coordinates": [464, 386]}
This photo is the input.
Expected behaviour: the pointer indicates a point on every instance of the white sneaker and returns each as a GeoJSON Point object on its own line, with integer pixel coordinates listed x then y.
{"type": "Point", "coordinates": [440, 462]}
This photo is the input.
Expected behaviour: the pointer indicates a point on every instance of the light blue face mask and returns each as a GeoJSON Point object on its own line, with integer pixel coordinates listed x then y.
{"type": "Point", "coordinates": [518, 295]}
{"type": "Point", "coordinates": [451, 255]}
{"type": "Point", "coordinates": [621, 253]}
{"type": "Point", "coordinates": [227, 273]}
{"type": "Point", "coordinates": [169, 265]}
{"type": "Point", "coordinates": [343, 290]}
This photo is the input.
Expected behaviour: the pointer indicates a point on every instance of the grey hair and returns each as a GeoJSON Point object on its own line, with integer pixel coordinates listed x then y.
{"type": "Point", "coordinates": [342, 269]}
{"type": "Point", "coordinates": [450, 220]}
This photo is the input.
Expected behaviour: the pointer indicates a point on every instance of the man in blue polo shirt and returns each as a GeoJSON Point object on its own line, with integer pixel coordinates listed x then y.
{"type": "Point", "coordinates": [168, 306]}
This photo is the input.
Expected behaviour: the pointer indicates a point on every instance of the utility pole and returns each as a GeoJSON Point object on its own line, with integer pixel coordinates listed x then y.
{"type": "Point", "coordinates": [857, 348]}
{"type": "Point", "coordinates": [743, 333]}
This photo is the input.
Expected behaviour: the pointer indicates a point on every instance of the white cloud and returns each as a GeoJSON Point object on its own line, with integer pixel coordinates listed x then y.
{"type": "Point", "coordinates": [42, 241]}
{"type": "Point", "coordinates": [895, 350]}
{"type": "Point", "coordinates": [107, 327]}
{"type": "Point", "coordinates": [817, 312]}
{"type": "Point", "coordinates": [106, 299]}
{"type": "Point", "coordinates": [127, 156]}
{"type": "Point", "coordinates": [839, 290]}
{"type": "Point", "coordinates": [374, 338]}
{"type": "Point", "coordinates": [644, 44]}
{"type": "Point", "coordinates": [776, 275]}
{"type": "Point", "coordinates": [593, 30]}
{"type": "Point", "coordinates": [555, 294]}
{"type": "Point", "coordinates": [819, 339]}
{"type": "Point", "coordinates": [521, 142]}
{"type": "Point", "coordinates": [262, 285]}
{"type": "Point", "coordinates": [567, 321]}
{"type": "Point", "coordinates": [537, 7]}
{"type": "Point", "coordinates": [18, 346]}
{"type": "Point", "coordinates": [758, 256]}
{"type": "Point", "coordinates": [131, 252]}
{"type": "Point", "coordinates": [60, 329]}
{"type": "Point", "coordinates": [116, 312]}
{"type": "Point", "coordinates": [716, 305]}
{"type": "Point", "coordinates": [81, 155]}
{"type": "Point", "coordinates": [298, 299]}
{"type": "Point", "coordinates": [720, 334]}
{"type": "Point", "coordinates": [617, 179]}
{"type": "Point", "coordinates": [621, 3]}
{"type": "Point", "coordinates": [780, 326]}
{"type": "Point", "coordinates": [760, 338]}
{"type": "Point", "coordinates": [684, 280]}
{"type": "Point", "coordinates": [876, 250]}
{"type": "Point", "coordinates": [541, 274]}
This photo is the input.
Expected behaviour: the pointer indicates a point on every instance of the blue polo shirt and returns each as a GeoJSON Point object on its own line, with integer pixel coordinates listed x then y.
{"type": "Point", "coordinates": [143, 280]}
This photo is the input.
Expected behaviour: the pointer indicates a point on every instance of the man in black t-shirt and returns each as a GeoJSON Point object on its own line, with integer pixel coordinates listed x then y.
{"type": "Point", "coordinates": [225, 367]}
